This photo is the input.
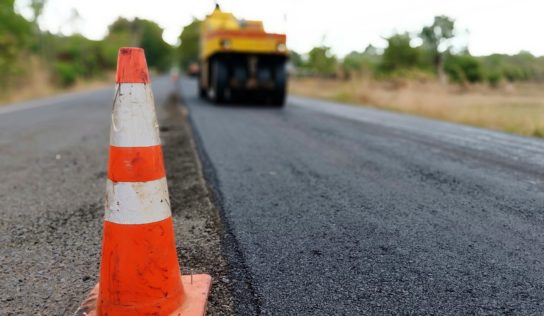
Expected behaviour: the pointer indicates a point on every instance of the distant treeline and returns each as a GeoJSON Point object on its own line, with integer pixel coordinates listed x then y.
{"type": "Point", "coordinates": [432, 57]}
{"type": "Point", "coordinates": [70, 58]}
{"type": "Point", "coordinates": [66, 59]}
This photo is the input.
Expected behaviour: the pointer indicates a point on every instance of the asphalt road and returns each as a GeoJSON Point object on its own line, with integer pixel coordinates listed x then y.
{"type": "Point", "coordinates": [327, 209]}
{"type": "Point", "coordinates": [340, 210]}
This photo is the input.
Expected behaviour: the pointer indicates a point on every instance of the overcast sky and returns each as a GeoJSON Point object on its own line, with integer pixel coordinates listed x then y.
{"type": "Point", "coordinates": [494, 26]}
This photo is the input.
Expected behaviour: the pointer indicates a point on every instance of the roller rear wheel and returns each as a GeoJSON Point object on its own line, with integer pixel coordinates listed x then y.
{"type": "Point", "coordinates": [280, 83]}
{"type": "Point", "coordinates": [219, 90]}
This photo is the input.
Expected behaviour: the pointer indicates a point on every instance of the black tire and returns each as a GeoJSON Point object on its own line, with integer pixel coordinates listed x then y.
{"type": "Point", "coordinates": [219, 91]}
{"type": "Point", "coordinates": [278, 100]}
{"type": "Point", "coordinates": [280, 82]}
{"type": "Point", "coordinates": [202, 93]}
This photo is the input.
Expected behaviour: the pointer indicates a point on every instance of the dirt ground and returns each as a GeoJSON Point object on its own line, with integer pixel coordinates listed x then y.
{"type": "Point", "coordinates": [514, 108]}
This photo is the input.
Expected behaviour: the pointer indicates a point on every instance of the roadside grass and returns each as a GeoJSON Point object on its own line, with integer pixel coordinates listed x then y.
{"type": "Point", "coordinates": [517, 108]}
{"type": "Point", "coordinates": [38, 82]}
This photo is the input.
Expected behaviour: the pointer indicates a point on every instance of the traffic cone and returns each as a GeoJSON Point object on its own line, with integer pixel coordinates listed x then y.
{"type": "Point", "coordinates": [139, 271]}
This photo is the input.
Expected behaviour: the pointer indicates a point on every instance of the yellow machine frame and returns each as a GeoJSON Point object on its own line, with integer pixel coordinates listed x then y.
{"type": "Point", "coordinates": [222, 32]}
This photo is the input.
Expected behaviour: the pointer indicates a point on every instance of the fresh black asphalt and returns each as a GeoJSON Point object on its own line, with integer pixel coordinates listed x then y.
{"type": "Point", "coordinates": [339, 210]}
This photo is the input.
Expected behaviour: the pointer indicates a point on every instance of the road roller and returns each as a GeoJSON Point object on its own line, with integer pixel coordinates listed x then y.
{"type": "Point", "coordinates": [240, 61]}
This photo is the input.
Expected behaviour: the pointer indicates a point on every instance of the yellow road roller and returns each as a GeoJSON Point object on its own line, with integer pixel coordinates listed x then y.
{"type": "Point", "coordinates": [240, 61]}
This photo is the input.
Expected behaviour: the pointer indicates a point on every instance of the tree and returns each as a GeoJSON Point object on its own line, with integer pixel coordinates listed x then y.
{"type": "Point", "coordinates": [520, 67]}
{"type": "Point", "coordinates": [399, 54]}
{"type": "Point", "coordinates": [189, 39]}
{"type": "Point", "coordinates": [158, 52]}
{"type": "Point", "coordinates": [15, 37]}
{"type": "Point", "coordinates": [141, 33]}
{"type": "Point", "coordinates": [362, 62]}
{"type": "Point", "coordinates": [435, 39]}
{"type": "Point", "coordinates": [40, 44]}
{"type": "Point", "coordinates": [37, 9]}
{"type": "Point", "coordinates": [75, 57]}
{"type": "Point", "coordinates": [322, 61]}
{"type": "Point", "coordinates": [295, 59]}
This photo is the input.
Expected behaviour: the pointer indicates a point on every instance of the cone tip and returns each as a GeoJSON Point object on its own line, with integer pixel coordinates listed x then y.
{"type": "Point", "coordinates": [131, 66]}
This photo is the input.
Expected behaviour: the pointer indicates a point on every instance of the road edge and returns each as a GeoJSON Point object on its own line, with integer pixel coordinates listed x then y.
{"type": "Point", "coordinates": [247, 301]}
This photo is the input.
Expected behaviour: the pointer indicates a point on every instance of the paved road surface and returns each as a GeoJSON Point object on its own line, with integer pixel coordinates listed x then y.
{"type": "Point", "coordinates": [338, 210]}
{"type": "Point", "coordinates": [52, 183]}
{"type": "Point", "coordinates": [328, 209]}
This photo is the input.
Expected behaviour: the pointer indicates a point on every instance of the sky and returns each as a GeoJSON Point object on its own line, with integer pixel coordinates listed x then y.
{"type": "Point", "coordinates": [485, 26]}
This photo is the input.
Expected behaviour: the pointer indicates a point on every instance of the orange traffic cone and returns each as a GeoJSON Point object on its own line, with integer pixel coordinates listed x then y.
{"type": "Point", "coordinates": [139, 272]}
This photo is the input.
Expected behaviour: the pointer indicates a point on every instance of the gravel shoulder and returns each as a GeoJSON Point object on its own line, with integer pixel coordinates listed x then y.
{"type": "Point", "coordinates": [197, 223]}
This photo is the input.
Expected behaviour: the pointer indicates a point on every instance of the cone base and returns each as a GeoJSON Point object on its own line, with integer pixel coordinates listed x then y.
{"type": "Point", "coordinates": [196, 287]}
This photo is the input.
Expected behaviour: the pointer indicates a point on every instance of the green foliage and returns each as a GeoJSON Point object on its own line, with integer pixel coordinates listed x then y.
{"type": "Point", "coordinates": [438, 33]}
{"type": "Point", "coordinates": [122, 25]}
{"type": "Point", "coordinates": [494, 78]}
{"type": "Point", "coordinates": [140, 33]}
{"type": "Point", "coordinates": [158, 52]}
{"type": "Point", "coordinates": [435, 36]}
{"type": "Point", "coordinates": [109, 47]}
{"type": "Point", "coordinates": [296, 59]}
{"type": "Point", "coordinates": [365, 62]}
{"type": "Point", "coordinates": [520, 67]}
{"type": "Point", "coordinates": [66, 73]}
{"type": "Point", "coordinates": [37, 9]}
{"type": "Point", "coordinates": [14, 26]}
{"type": "Point", "coordinates": [464, 69]}
{"type": "Point", "coordinates": [15, 36]}
{"type": "Point", "coordinates": [399, 54]}
{"type": "Point", "coordinates": [189, 38]}
{"type": "Point", "coordinates": [321, 61]}
{"type": "Point", "coordinates": [73, 57]}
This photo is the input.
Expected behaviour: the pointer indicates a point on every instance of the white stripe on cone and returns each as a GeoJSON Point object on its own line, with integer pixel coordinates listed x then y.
{"type": "Point", "coordinates": [134, 122]}
{"type": "Point", "coordinates": [137, 202]}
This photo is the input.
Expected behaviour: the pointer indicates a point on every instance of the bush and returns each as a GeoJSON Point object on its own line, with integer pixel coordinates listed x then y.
{"type": "Point", "coordinates": [463, 69]}
{"type": "Point", "coordinates": [400, 55]}
{"type": "Point", "coordinates": [361, 62]}
{"type": "Point", "coordinates": [321, 61]}
{"type": "Point", "coordinates": [494, 78]}
{"type": "Point", "coordinates": [66, 73]}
